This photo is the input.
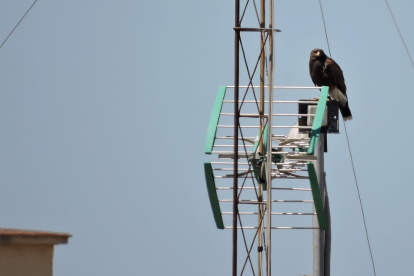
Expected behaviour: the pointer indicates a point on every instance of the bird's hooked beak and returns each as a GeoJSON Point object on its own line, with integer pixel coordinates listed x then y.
{"type": "Point", "coordinates": [318, 53]}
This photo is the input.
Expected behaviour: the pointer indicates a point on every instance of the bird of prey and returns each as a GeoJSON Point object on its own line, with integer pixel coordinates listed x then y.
{"type": "Point", "coordinates": [324, 71]}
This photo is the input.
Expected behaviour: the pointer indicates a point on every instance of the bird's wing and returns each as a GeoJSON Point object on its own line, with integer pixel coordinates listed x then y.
{"type": "Point", "coordinates": [333, 70]}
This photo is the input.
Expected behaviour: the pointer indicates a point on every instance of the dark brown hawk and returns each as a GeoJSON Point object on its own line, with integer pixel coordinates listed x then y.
{"type": "Point", "coordinates": [324, 71]}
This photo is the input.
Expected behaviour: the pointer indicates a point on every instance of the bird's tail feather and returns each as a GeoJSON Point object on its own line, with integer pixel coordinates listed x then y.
{"type": "Point", "coordinates": [346, 112]}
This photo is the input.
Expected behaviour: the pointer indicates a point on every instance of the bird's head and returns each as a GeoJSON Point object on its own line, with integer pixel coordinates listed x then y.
{"type": "Point", "coordinates": [317, 54]}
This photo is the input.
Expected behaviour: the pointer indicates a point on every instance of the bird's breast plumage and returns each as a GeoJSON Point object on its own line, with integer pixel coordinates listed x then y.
{"type": "Point", "coordinates": [316, 71]}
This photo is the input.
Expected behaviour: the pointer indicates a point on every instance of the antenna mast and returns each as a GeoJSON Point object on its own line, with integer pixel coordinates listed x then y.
{"type": "Point", "coordinates": [260, 158]}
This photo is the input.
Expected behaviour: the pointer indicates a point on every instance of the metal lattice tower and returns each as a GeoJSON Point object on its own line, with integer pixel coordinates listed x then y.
{"type": "Point", "coordinates": [256, 147]}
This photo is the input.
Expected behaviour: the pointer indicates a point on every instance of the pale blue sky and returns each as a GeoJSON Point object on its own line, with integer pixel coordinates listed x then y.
{"type": "Point", "coordinates": [104, 107]}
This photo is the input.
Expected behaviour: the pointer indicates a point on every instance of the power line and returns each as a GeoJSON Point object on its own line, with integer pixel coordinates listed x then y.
{"type": "Point", "coordinates": [352, 160]}
{"type": "Point", "coordinates": [324, 25]}
{"type": "Point", "coordinates": [399, 32]}
{"type": "Point", "coordinates": [360, 201]}
{"type": "Point", "coordinates": [18, 24]}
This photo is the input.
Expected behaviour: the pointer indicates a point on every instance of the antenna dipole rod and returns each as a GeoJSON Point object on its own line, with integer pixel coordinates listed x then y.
{"type": "Point", "coordinates": [236, 133]}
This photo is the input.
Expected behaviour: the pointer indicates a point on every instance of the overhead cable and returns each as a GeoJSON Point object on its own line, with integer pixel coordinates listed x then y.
{"type": "Point", "coordinates": [399, 32]}
{"type": "Point", "coordinates": [352, 161]}
{"type": "Point", "coordinates": [324, 25]}
{"type": "Point", "coordinates": [18, 23]}
{"type": "Point", "coordinates": [360, 201]}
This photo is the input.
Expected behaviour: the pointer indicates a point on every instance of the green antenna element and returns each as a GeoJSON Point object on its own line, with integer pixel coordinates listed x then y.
{"type": "Point", "coordinates": [317, 197]}
{"type": "Point", "coordinates": [212, 194]}
{"type": "Point", "coordinates": [214, 118]}
{"type": "Point", "coordinates": [317, 122]}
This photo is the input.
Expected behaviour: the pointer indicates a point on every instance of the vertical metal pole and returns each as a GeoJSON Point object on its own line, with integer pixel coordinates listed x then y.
{"type": "Point", "coordinates": [262, 71]}
{"type": "Point", "coordinates": [328, 233]}
{"type": "Point", "coordinates": [236, 135]}
{"type": "Point", "coordinates": [269, 139]}
{"type": "Point", "coordinates": [260, 231]}
{"type": "Point", "coordinates": [261, 111]}
{"type": "Point", "coordinates": [319, 235]}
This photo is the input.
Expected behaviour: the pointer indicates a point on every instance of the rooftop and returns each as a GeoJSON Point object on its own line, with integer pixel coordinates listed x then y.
{"type": "Point", "coordinates": [8, 235]}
